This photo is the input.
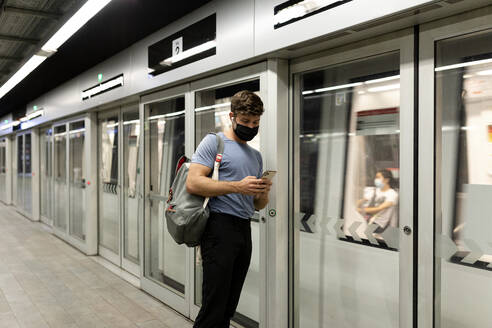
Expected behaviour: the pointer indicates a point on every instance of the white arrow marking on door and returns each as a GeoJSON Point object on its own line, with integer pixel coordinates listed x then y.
{"type": "Point", "coordinates": [353, 231]}
{"type": "Point", "coordinates": [369, 231]}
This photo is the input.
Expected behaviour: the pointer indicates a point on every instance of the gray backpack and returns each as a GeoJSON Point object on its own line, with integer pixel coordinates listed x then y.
{"type": "Point", "coordinates": [187, 214]}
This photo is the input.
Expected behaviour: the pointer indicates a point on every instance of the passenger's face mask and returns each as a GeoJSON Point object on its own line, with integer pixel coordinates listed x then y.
{"type": "Point", "coordinates": [244, 132]}
{"type": "Point", "coordinates": [378, 183]}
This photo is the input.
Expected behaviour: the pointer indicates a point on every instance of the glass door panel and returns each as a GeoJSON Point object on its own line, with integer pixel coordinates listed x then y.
{"type": "Point", "coordinates": [77, 180]}
{"type": "Point", "coordinates": [60, 178]}
{"type": "Point", "coordinates": [131, 201]}
{"type": "Point", "coordinates": [212, 109]}
{"type": "Point", "coordinates": [463, 90]}
{"type": "Point", "coordinates": [165, 261]}
{"type": "Point", "coordinates": [46, 173]}
{"type": "Point", "coordinates": [27, 202]}
{"type": "Point", "coordinates": [109, 204]}
{"type": "Point", "coordinates": [346, 194]}
{"type": "Point", "coordinates": [20, 171]}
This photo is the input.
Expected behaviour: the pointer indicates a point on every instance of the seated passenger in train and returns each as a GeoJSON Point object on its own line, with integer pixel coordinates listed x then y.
{"type": "Point", "coordinates": [379, 205]}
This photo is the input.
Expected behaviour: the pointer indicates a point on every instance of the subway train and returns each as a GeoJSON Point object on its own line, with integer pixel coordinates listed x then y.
{"type": "Point", "coordinates": [379, 126]}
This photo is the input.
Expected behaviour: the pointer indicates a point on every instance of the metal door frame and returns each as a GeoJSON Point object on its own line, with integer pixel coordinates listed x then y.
{"type": "Point", "coordinates": [253, 72]}
{"type": "Point", "coordinates": [160, 291]}
{"type": "Point", "coordinates": [402, 41]}
{"type": "Point", "coordinates": [430, 125]}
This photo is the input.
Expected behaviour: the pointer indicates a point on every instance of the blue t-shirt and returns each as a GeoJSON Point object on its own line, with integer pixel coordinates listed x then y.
{"type": "Point", "coordinates": [238, 161]}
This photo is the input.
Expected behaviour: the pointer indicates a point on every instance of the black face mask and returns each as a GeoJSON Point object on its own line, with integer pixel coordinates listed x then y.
{"type": "Point", "coordinates": [245, 133]}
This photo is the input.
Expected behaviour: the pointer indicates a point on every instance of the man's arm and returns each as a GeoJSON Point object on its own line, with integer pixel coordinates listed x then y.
{"type": "Point", "coordinates": [198, 183]}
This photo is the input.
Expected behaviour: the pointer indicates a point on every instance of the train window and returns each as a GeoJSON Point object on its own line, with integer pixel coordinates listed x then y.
{"type": "Point", "coordinates": [464, 97]}
{"type": "Point", "coordinates": [348, 165]}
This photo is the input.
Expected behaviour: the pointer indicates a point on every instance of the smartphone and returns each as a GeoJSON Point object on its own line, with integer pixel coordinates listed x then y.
{"type": "Point", "coordinates": [268, 174]}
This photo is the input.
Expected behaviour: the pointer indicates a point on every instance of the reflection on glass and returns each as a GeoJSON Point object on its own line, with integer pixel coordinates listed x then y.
{"type": "Point", "coordinates": [60, 178]}
{"type": "Point", "coordinates": [212, 115]}
{"type": "Point", "coordinates": [346, 194]}
{"type": "Point", "coordinates": [77, 180]}
{"type": "Point", "coordinates": [165, 260]}
{"type": "Point", "coordinates": [109, 228]}
{"type": "Point", "coordinates": [46, 173]}
{"type": "Point", "coordinates": [131, 134]}
{"type": "Point", "coordinates": [463, 98]}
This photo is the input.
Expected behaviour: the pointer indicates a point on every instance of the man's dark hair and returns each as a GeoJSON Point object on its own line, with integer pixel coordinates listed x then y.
{"type": "Point", "coordinates": [246, 103]}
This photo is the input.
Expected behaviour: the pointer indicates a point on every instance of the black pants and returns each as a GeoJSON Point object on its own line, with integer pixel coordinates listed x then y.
{"type": "Point", "coordinates": [226, 254]}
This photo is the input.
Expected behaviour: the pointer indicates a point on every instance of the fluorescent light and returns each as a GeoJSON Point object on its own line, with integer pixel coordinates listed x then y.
{"type": "Point", "coordinates": [485, 73]}
{"type": "Point", "coordinates": [384, 79]}
{"type": "Point", "coordinates": [155, 117]}
{"type": "Point", "coordinates": [361, 92]}
{"type": "Point", "coordinates": [300, 9]}
{"type": "Point", "coordinates": [201, 109]}
{"type": "Point", "coordinates": [337, 87]}
{"type": "Point", "coordinates": [467, 64]}
{"type": "Point", "coordinates": [467, 76]}
{"type": "Point", "coordinates": [189, 53]}
{"type": "Point", "coordinates": [385, 88]}
{"type": "Point", "coordinates": [82, 16]}
{"type": "Point", "coordinates": [77, 131]}
{"type": "Point", "coordinates": [110, 126]}
{"type": "Point", "coordinates": [131, 122]}
{"type": "Point", "coordinates": [24, 71]}
{"type": "Point", "coordinates": [308, 92]}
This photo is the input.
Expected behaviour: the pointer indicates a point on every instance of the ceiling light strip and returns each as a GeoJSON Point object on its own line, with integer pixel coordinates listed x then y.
{"type": "Point", "coordinates": [166, 115]}
{"type": "Point", "coordinates": [201, 109]}
{"type": "Point", "coordinates": [79, 19]}
{"type": "Point", "coordinates": [467, 64]}
{"type": "Point", "coordinates": [82, 16]}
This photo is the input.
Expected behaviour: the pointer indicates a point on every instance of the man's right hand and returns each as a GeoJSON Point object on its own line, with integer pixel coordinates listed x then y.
{"type": "Point", "coordinates": [250, 186]}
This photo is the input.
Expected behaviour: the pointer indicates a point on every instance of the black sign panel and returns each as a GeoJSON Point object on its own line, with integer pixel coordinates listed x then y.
{"type": "Point", "coordinates": [180, 43]}
{"type": "Point", "coordinates": [290, 3]}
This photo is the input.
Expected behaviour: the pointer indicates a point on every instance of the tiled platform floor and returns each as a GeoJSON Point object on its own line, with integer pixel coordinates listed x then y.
{"type": "Point", "coordinates": [44, 283]}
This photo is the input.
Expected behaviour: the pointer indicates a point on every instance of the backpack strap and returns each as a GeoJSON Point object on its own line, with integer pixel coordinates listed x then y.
{"type": "Point", "coordinates": [218, 159]}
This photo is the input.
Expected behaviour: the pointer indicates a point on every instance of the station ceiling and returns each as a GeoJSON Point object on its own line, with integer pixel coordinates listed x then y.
{"type": "Point", "coordinates": [26, 24]}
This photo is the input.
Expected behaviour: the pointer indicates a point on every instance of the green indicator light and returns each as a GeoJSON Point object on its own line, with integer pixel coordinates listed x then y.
{"type": "Point", "coordinates": [6, 121]}
{"type": "Point", "coordinates": [99, 77]}
{"type": "Point", "coordinates": [35, 108]}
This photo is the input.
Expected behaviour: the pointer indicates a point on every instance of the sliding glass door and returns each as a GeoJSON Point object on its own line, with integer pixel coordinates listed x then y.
{"type": "Point", "coordinates": [352, 156]}
{"type": "Point", "coordinates": [119, 187]}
